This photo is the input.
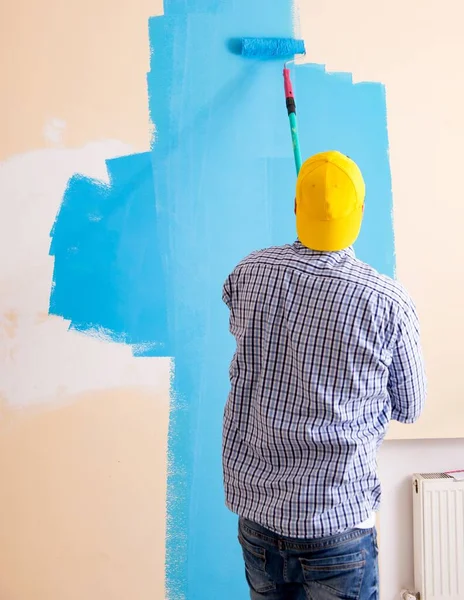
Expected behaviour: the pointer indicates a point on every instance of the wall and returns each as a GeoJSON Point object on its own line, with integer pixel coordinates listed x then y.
{"type": "Point", "coordinates": [75, 73]}
{"type": "Point", "coordinates": [415, 54]}
{"type": "Point", "coordinates": [84, 396]}
{"type": "Point", "coordinates": [398, 460]}
{"type": "Point", "coordinates": [83, 423]}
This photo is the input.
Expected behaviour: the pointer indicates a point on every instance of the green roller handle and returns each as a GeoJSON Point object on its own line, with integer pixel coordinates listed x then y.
{"type": "Point", "coordinates": [291, 109]}
{"type": "Point", "coordinates": [295, 141]}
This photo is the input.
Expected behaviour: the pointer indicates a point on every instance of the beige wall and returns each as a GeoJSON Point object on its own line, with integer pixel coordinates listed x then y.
{"type": "Point", "coordinates": [416, 53]}
{"type": "Point", "coordinates": [83, 425]}
{"type": "Point", "coordinates": [82, 498]}
{"type": "Point", "coordinates": [80, 62]}
{"type": "Point", "coordinates": [414, 50]}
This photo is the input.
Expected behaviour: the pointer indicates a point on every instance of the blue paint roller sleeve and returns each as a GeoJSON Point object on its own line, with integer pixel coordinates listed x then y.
{"type": "Point", "coordinates": [271, 48]}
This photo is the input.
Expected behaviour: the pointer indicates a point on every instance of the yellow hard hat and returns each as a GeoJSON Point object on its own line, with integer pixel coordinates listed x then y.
{"type": "Point", "coordinates": [330, 194]}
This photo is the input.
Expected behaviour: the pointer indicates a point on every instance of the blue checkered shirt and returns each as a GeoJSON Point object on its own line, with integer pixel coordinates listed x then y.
{"type": "Point", "coordinates": [327, 352]}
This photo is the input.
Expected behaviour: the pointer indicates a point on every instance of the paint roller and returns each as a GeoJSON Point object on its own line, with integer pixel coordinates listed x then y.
{"type": "Point", "coordinates": [272, 49]}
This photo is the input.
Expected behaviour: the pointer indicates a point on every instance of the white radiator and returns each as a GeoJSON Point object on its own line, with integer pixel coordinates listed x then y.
{"type": "Point", "coordinates": [438, 509]}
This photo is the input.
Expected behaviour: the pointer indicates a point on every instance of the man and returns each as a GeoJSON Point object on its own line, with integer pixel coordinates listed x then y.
{"type": "Point", "coordinates": [328, 352]}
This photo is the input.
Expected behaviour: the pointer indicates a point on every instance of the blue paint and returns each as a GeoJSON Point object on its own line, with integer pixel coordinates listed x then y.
{"type": "Point", "coordinates": [224, 188]}
{"type": "Point", "coordinates": [335, 114]}
{"type": "Point", "coordinates": [108, 274]}
{"type": "Point", "coordinates": [271, 48]}
{"type": "Point", "coordinates": [222, 174]}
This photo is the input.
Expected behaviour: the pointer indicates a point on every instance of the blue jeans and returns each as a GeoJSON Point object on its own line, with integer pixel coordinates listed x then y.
{"type": "Point", "coordinates": [340, 567]}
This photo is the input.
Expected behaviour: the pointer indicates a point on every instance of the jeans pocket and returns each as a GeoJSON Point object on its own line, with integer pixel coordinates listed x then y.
{"type": "Point", "coordinates": [335, 577]}
{"type": "Point", "coordinates": [255, 567]}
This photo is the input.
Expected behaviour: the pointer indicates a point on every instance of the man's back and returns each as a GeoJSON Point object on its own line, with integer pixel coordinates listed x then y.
{"type": "Point", "coordinates": [327, 353]}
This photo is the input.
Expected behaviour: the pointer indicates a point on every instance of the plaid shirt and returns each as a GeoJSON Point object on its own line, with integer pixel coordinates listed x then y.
{"type": "Point", "coordinates": [328, 351]}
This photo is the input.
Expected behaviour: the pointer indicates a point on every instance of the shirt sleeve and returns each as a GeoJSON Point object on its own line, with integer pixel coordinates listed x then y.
{"type": "Point", "coordinates": [407, 383]}
{"type": "Point", "coordinates": [227, 292]}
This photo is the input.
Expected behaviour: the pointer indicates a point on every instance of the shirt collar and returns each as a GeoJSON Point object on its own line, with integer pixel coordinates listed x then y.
{"type": "Point", "coordinates": [332, 257]}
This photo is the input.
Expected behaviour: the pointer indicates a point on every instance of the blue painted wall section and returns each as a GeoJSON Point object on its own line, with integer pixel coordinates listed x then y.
{"type": "Point", "coordinates": [335, 114]}
{"type": "Point", "coordinates": [144, 257]}
{"type": "Point", "coordinates": [224, 186]}
{"type": "Point", "coordinates": [108, 275]}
